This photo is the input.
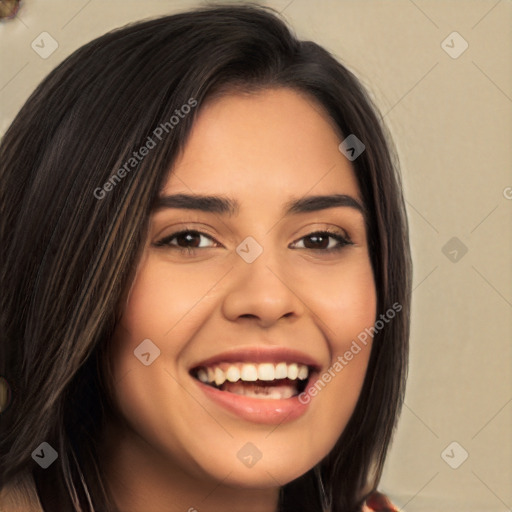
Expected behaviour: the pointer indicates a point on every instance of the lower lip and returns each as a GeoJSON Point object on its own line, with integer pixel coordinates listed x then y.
{"type": "Point", "coordinates": [257, 410]}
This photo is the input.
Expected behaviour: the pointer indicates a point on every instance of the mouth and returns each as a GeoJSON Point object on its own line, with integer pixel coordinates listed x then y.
{"type": "Point", "coordinates": [258, 384]}
{"type": "Point", "coordinates": [264, 380]}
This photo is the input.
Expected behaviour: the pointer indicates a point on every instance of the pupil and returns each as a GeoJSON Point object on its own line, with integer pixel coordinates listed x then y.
{"type": "Point", "coordinates": [317, 240]}
{"type": "Point", "coordinates": [188, 239]}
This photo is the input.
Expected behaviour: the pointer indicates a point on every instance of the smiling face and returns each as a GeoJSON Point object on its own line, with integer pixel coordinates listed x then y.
{"type": "Point", "coordinates": [263, 283]}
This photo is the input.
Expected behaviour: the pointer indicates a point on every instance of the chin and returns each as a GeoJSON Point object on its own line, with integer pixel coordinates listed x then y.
{"type": "Point", "coordinates": [259, 463]}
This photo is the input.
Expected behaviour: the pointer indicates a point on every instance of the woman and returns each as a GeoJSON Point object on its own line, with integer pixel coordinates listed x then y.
{"type": "Point", "coordinates": [206, 276]}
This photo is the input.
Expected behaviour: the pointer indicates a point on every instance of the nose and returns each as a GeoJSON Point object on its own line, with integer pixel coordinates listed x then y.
{"type": "Point", "coordinates": [261, 291]}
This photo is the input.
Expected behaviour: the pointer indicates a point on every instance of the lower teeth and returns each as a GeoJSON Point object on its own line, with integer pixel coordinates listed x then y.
{"type": "Point", "coordinates": [253, 390]}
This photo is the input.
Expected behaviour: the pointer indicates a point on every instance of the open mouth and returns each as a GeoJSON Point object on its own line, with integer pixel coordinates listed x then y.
{"type": "Point", "coordinates": [256, 380]}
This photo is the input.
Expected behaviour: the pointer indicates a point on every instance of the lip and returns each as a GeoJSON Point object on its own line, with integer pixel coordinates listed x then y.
{"type": "Point", "coordinates": [260, 355]}
{"type": "Point", "coordinates": [259, 410]}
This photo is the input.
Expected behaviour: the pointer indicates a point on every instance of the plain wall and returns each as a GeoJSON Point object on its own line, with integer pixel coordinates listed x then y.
{"type": "Point", "coordinates": [451, 119]}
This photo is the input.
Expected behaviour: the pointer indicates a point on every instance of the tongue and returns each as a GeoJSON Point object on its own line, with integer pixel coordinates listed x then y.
{"type": "Point", "coordinates": [261, 389]}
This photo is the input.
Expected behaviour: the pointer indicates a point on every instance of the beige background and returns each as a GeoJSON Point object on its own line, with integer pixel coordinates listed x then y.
{"type": "Point", "coordinates": [452, 122]}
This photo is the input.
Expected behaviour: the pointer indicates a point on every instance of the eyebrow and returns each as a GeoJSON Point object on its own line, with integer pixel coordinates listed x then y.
{"type": "Point", "coordinates": [226, 206]}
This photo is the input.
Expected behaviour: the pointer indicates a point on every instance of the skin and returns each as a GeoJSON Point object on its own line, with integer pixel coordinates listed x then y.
{"type": "Point", "coordinates": [171, 448]}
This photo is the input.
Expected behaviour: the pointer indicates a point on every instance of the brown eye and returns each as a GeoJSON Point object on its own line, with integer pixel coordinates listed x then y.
{"type": "Point", "coordinates": [321, 240]}
{"type": "Point", "coordinates": [186, 240]}
{"type": "Point", "coordinates": [317, 241]}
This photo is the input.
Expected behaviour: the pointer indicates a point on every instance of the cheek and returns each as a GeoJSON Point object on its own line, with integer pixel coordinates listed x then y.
{"type": "Point", "coordinates": [161, 295]}
{"type": "Point", "coordinates": [343, 298]}
{"type": "Point", "coordinates": [346, 303]}
{"type": "Point", "coordinates": [350, 314]}
{"type": "Point", "coordinates": [164, 305]}
{"type": "Point", "coordinates": [353, 308]}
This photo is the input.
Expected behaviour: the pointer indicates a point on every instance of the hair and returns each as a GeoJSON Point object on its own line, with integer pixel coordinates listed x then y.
{"type": "Point", "coordinates": [69, 257]}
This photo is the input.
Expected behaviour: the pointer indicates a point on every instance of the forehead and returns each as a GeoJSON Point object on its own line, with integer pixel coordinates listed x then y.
{"type": "Point", "coordinates": [265, 143]}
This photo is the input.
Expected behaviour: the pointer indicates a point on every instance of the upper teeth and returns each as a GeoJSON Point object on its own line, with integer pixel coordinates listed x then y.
{"type": "Point", "coordinates": [250, 372]}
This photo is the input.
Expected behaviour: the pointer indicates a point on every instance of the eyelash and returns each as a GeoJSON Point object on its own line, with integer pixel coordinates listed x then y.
{"type": "Point", "coordinates": [190, 251]}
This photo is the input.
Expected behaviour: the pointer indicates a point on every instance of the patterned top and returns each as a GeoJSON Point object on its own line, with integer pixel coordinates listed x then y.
{"type": "Point", "coordinates": [378, 502]}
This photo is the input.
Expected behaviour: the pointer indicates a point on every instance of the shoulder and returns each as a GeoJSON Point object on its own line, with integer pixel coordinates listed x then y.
{"type": "Point", "coordinates": [378, 502]}
{"type": "Point", "coordinates": [20, 495]}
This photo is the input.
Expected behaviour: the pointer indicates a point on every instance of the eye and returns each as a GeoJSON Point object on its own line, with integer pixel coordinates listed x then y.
{"type": "Point", "coordinates": [185, 241]}
{"type": "Point", "coordinates": [323, 241]}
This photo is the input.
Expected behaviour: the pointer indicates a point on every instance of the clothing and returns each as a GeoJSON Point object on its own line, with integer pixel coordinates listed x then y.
{"type": "Point", "coordinates": [21, 496]}
{"type": "Point", "coordinates": [378, 502]}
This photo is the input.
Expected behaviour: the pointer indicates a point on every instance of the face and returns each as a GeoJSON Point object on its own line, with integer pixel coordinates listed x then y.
{"type": "Point", "coordinates": [249, 303]}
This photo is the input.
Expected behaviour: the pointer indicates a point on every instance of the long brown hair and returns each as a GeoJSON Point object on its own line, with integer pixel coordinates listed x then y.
{"type": "Point", "coordinates": [68, 256]}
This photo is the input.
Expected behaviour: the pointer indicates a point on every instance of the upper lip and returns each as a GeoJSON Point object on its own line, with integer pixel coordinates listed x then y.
{"type": "Point", "coordinates": [260, 354]}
